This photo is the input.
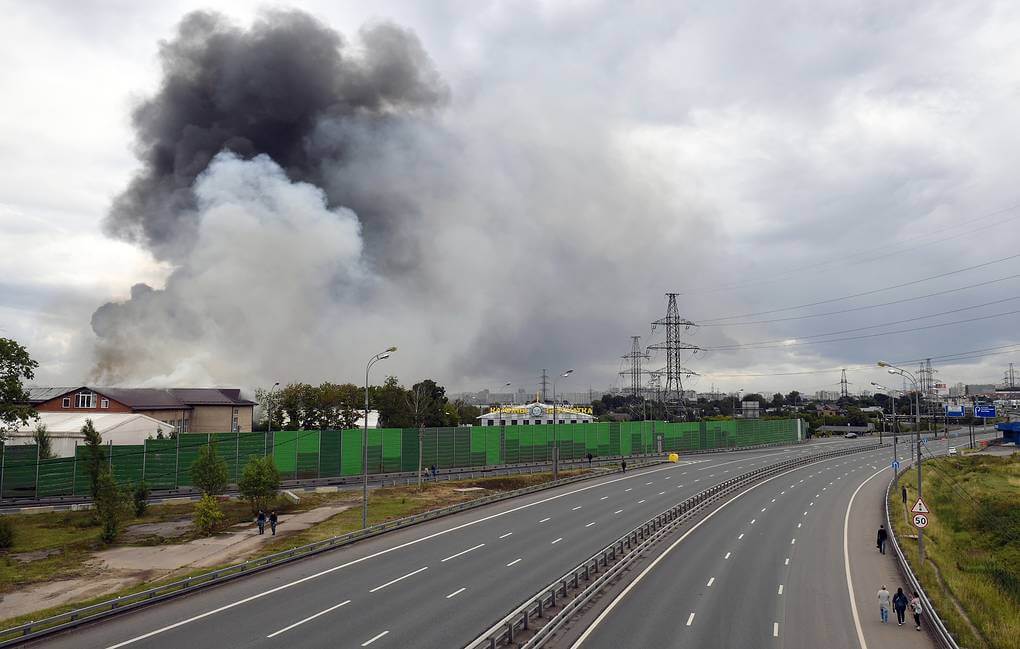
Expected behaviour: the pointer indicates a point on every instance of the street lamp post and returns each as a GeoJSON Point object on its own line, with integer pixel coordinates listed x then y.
{"type": "Point", "coordinates": [733, 403]}
{"type": "Point", "coordinates": [269, 425]}
{"type": "Point", "coordinates": [364, 438]}
{"type": "Point", "coordinates": [917, 425]}
{"type": "Point", "coordinates": [892, 395]}
{"type": "Point", "coordinates": [502, 430]}
{"type": "Point", "coordinates": [556, 442]}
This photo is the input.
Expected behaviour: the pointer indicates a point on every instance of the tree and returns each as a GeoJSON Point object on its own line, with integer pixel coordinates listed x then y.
{"type": "Point", "coordinates": [208, 515]}
{"type": "Point", "coordinates": [793, 398]}
{"type": "Point", "coordinates": [777, 400]}
{"type": "Point", "coordinates": [259, 482]}
{"type": "Point", "coordinates": [109, 504]}
{"type": "Point", "coordinates": [269, 404]}
{"type": "Point", "coordinates": [420, 401]}
{"type": "Point", "coordinates": [339, 406]}
{"type": "Point", "coordinates": [390, 399]}
{"type": "Point", "coordinates": [15, 365]}
{"type": "Point", "coordinates": [209, 471]}
{"type": "Point", "coordinates": [141, 498]}
{"type": "Point", "coordinates": [96, 458]}
{"type": "Point", "coordinates": [43, 440]}
{"type": "Point", "coordinates": [467, 413]}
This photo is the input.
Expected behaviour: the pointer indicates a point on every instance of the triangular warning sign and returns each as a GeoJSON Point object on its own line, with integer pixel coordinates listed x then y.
{"type": "Point", "coordinates": [919, 507]}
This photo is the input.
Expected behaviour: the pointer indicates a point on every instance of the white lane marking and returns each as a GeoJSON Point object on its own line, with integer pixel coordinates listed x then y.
{"type": "Point", "coordinates": [811, 504]}
{"type": "Point", "coordinates": [603, 497]}
{"type": "Point", "coordinates": [668, 477]}
{"type": "Point", "coordinates": [556, 541]}
{"type": "Point", "coordinates": [690, 620]}
{"type": "Point", "coordinates": [787, 562]}
{"type": "Point", "coordinates": [513, 562]}
{"type": "Point", "coordinates": [775, 629]}
{"type": "Point", "coordinates": [792, 541]}
{"type": "Point", "coordinates": [798, 525]}
{"type": "Point", "coordinates": [741, 536]}
{"type": "Point", "coordinates": [308, 619]}
{"type": "Point", "coordinates": [697, 479]}
{"type": "Point", "coordinates": [784, 492]}
{"type": "Point", "coordinates": [648, 483]}
{"type": "Point", "coordinates": [727, 556]}
{"type": "Point", "coordinates": [576, 508]}
{"type": "Point", "coordinates": [818, 495]}
{"type": "Point", "coordinates": [590, 524]}
{"type": "Point", "coordinates": [390, 583]}
{"type": "Point", "coordinates": [753, 520]}
{"type": "Point", "coordinates": [628, 489]}
{"type": "Point", "coordinates": [618, 511]}
{"type": "Point", "coordinates": [846, 561]}
{"type": "Point", "coordinates": [401, 546]}
{"type": "Point", "coordinates": [764, 508]}
{"type": "Point", "coordinates": [773, 500]}
{"type": "Point", "coordinates": [506, 535]}
{"type": "Point", "coordinates": [365, 644]}
{"type": "Point", "coordinates": [456, 592]}
{"type": "Point", "coordinates": [454, 556]}
{"type": "Point", "coordinates": [640, 501]}
{"type": "Point", "coordinates": [547, 518]}
{"type": "Point", "coordinates": [710, 582]}
{"type": "Point", "coordinates": [780, 589]}
{"type": "Point", "coordinates": [661, 492]}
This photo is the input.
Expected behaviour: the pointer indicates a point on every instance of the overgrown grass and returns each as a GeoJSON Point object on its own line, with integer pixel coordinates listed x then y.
{"type": "Point", "coordinates": [973, 536]}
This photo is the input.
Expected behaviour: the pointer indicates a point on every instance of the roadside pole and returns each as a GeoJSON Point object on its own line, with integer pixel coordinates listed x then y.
{"type": "Point", "coordinates": [920, 531]}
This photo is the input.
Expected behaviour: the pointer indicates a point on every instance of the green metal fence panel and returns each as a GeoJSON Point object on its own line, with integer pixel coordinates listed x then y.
{"type": "Point", "coordinates": [189, 446]}
{"type": "Point", "coordinates": [375, 450]}
{"type": "Point", "coordinates": [493, 449]}
{"type": "Point", "coordinates": [409, 449]}
{"type": "Point", "coordinates": [308, 454]}
{"type": "Point", "coordinates": [250, 445]}
{"type": "Point", "coordinates": [351, 452]}
{"type": "Point", "coordinates": [511, 445]}
{"type": "Point", "coordinates": [127, 464]}
{"type": "Point", "coordinates": [19, 471]}
{"type": "Point", "coordinates": [56, 477]}
{"type": "Point", "coordinates": [392, 441]}
{"type": "Point", "coordinates": [329, 453]}
{"type": "Point", "coordinates": [160, 465]}
{"type": "Point", "coordinates": [284, 450]}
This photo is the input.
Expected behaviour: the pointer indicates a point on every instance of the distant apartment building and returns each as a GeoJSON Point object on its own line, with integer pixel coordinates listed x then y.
{"type": "Point", "coordinates": [957, 390]}
{"type": "Point", "coordinates": [827, 395]}
{"type": "Point", "coordinates": [973, 389]}
{"type": "Point", "coordinates": [196, 410]}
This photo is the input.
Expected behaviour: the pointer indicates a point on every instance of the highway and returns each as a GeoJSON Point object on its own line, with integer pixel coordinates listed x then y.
{"type": "Point", "coordinates": [766, 569]}
{"type": "Point", "coordinates": [437, 584]}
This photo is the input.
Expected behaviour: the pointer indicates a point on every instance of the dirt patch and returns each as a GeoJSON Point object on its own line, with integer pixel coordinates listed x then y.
{"type": "Point", "coordinates": [57, 593]}
{"type": "Point", "coordinates": [161, 530]}
{"type": "Point", "coordinates": [25, 557]}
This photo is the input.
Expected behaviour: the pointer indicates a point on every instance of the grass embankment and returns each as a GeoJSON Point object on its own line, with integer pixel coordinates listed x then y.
{"type": "Point", "coordinates": [72, 537]}
{"type": "Point", "coordinates": [973, 538]}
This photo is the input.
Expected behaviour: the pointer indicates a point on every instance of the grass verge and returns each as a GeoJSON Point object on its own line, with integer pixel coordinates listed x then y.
{"type": "Point", "coordinates": [973, 537]}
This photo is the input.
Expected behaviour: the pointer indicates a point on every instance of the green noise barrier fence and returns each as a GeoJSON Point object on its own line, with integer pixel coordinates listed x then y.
{"type": "Point", "coordinates": [303, 454]}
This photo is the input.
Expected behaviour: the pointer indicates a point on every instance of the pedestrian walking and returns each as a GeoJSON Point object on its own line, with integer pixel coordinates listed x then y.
{"type": "Point", "coordinates": [915, 608]}
{"type": "Point", "coordinates": [432, 469]}
{"type": "Point", "coordinates": [623, 465]}
{"type": "Point", "coordinates": [590, 456]}
{"type": "Point", "coordinates": [273, 519]}
{"type": "Point", "coordinates": [261, 520]}
{"type": "Point", "coordinates": [904, 490]}
{"type": "Point", "coordinates": [884, 598]}
{"type": "Point", "coordinates": [899, 602]}
{"type": "Point", "coordinates": [883, 536]}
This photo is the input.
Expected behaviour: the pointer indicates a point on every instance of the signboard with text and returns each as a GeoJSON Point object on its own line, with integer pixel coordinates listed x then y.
{"type": "Point", "coordinates": [984, 410]}
{"type": "Point", "coordinates": [954, 411]}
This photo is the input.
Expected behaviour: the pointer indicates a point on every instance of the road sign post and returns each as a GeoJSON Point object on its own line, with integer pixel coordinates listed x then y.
{"type": "Point", "coordinates": [920, 521]}
{"type": "Point", "coordinates": [920, 511]}
{"type": "Point", "coordinates": [895, 465]}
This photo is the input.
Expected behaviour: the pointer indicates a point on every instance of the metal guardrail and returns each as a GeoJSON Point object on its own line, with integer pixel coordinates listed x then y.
{"type": "Point", "coordinates": [63, 621]}
{"type": "Point", "coordinates": [593, 574]}
{"type": "Point", "coordinates": [937, 628]}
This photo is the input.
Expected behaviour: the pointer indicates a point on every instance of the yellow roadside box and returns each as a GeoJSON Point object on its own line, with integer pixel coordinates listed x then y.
{"type": "Point", "coordinates": [674, 457]}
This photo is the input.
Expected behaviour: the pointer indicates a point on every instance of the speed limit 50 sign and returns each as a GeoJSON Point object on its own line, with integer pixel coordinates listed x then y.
{"type": "Point", "coordinates": [920, 520]}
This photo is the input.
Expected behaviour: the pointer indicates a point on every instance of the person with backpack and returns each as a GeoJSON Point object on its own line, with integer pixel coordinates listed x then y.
{"type": "Point", "coordinates": [883, 604]}
{"type": "Point", "coordinates": [915, 608]}
{"type": "Point", "coordinates": [899, 602]}
{"type": "Point", "coordinates": [272, 521]}
{"type": "Point", "coordinates": [260, 519]}
{"type": "Point", "coordinates": [883, 536]}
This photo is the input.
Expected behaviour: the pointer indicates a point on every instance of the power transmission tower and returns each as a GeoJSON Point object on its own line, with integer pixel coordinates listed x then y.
{"type": "Point", "coordinates": [635, 370]}
{"type": "Point", "coordinates": [545, 382]}
{"type": "Point", "coordinates": [673, 391]}
{"type": "Point", "coordinates": [843, 384]}
{"type": "Point", "coordinates": [1009, 379]}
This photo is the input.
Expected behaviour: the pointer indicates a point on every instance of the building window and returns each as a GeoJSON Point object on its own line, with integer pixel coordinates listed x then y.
{"type": "Point", "coordinates": [525, 422]}
{"type": "Point", "coordinates": [85, 400]}
{"type": "Point", "coordinates": [573, 421]}
{"type": "Point", "coordinates": [488, 422]}
{"type": "Point", "coordinates": [184, 426]}
{"type": "Point", "coordinates": [66, 402]}
{"type": "Point", "coordinates": [104, 403]}
{"type": "Point", "coordinates": [513, 422]}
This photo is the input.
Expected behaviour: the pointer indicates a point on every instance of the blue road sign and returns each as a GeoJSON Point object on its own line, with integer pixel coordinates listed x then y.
{"type": "Point", "coordinates": [954, 411]}
{"type": "Point", "coordinates": [895, 465]}
{"type": "Point", "coordinates": [984, 410]}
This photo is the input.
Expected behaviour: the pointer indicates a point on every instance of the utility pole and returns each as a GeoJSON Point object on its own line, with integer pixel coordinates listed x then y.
{"type": "Point", "coordinates": [545, 382]}
{"type": "Point", "coordinates": [674, 325]}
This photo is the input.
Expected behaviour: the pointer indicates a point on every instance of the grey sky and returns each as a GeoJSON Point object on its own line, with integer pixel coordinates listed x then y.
{"type": "Point", "coordinates": [588, 159]}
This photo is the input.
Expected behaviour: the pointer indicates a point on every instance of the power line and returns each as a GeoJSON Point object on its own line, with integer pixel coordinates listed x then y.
{"type": "Point", "coordinates": [871, 292]}
{"type": "Point", "coordinates": [865, 307]}
{"type": "Point", "coordinates": [875, 326]}
{"type": "Point", "coordinates": [852, 256]}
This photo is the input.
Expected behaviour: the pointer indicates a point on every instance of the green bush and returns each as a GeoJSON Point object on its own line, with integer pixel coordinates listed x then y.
{"type": "Point", "coordinates": [6, 533]}
{"type": "Point", "coordinates": [209, 471]}
{"type": "Point", "coordinates": [109, 503]}
{"type": "Point", "coordinates": [259, 482]}
{"type": "Point", "coordinates": [208, 515]}
{"type": "Point", "coordinates": [141, 498]}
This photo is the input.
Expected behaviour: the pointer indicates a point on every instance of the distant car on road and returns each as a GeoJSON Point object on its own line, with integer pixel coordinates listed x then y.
{"type": "Point", "coordinates": [952, 450]}
{"type": "Point", "coordinates": [850, 435]}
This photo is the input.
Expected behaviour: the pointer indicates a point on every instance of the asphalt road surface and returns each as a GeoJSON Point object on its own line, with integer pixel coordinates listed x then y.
{"type": "Point", "coordinates": [768, 569]}
{"type": "Point", "coordinates": [438, 584]}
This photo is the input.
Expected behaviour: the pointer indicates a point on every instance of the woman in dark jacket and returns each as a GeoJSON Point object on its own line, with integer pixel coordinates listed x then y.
{"type": "Point", "coordinates": [899, 602]}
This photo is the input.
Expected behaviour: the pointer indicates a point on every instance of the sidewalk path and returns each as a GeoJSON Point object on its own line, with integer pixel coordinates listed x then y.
{"type": "Point", "coordinates": [871, 570]}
